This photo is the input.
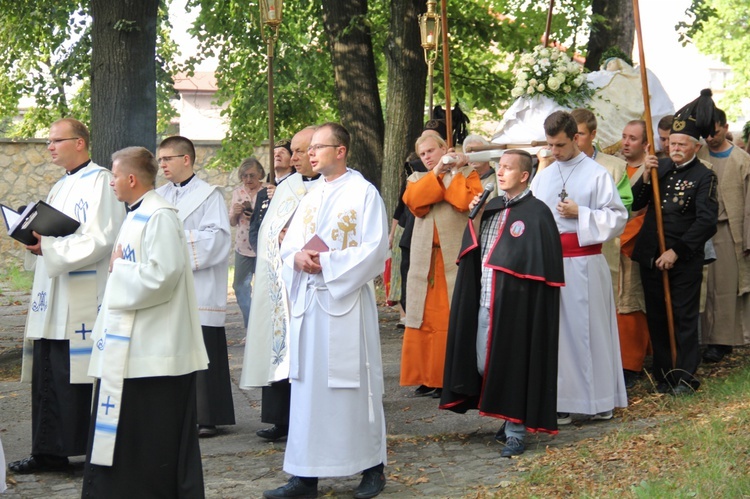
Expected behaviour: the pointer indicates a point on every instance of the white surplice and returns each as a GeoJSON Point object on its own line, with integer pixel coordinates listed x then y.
{"type": "Point", "coordinates": [590, 378]}
{"type": "Point", "coordinates": [71, 274]}
{"type": "Point", "coordinates": [267, 342]}
{"type": "Point", "coordinates": [203, 212]}
{"type": "Point", "coordinates": [337, 423]}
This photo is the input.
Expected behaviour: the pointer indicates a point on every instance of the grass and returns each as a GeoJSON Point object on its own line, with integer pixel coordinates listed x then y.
{"type": "Point", "coordinates": [14, 278]}
{"type": "Point", "coordinates": [697, 446]}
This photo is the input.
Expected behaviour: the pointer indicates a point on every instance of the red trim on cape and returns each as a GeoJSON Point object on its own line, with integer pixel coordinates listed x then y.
{"type": "Point", "coordinates": [475, 242]}
{"type": "Point", "coordinates": [518, 421]}
{"type": "Point", "coordinates": [571, 248]}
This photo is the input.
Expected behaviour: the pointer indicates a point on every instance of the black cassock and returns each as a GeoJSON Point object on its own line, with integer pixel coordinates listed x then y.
{"type": "Point", "coordinates": [520, 381]}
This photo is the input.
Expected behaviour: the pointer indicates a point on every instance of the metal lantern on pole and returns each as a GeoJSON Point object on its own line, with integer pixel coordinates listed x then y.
{"type": "Point", "coordinates": [429, 30]}
{"type": "Point", "coordinates": [270, 15]}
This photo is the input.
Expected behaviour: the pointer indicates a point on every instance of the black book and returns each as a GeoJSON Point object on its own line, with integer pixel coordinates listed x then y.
{"type": "Point", "coordinates": [39, 217]}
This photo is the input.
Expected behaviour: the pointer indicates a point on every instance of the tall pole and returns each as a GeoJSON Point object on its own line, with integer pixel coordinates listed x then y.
{"type": "Point", "coordinates": [430, 79]}
{"type": "Point", "coordinates": [655, 182]}
{"type": "Point", "coordinates": [446, 73]}
{"type": "Point", "coordinates": [548, 28]}
{"type": "Point", "coordinates": [271, 142]}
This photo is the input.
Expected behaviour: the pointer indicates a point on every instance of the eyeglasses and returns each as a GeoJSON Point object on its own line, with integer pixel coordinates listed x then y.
{"type": "Point", "coordinates": [317, 147]}
{"type": "Point", "coordinates": [164, 159]}
{"type": "Point", "coordinates": [57, 141]}
{"type": "Point", "coordinates": [249, 176]}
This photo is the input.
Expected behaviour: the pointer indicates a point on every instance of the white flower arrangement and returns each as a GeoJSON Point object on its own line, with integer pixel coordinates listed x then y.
{"type": "Point", "coordinates": [549, 71]}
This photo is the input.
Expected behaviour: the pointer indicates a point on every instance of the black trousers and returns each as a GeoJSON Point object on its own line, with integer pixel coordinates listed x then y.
{"type": "Point", "coordinates": [275, 403]}
{"type": "Point", "coordinates": [214, 385]}
{"type": "Point", "coordinates": [405, 262]}
{"type": "Point", "coordinates": [60, 411]}
{"type": "Point", "coordinates": [685, 288]}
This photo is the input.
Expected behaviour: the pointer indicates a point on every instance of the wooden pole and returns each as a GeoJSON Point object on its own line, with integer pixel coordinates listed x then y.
{"type": "Point", "coordinates": [655, 182]}
{"type": "Point", "coordinates": [446, 73]}
{"type": "Point", "coordinates": [548, 28]}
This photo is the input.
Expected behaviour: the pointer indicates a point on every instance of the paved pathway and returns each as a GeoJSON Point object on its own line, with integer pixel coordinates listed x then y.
{"type": "Point", "coordinates": [431, 453]}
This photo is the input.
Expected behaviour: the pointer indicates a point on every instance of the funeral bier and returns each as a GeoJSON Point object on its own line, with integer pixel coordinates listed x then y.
{"type": "Point", "coordinates": [40, 218]}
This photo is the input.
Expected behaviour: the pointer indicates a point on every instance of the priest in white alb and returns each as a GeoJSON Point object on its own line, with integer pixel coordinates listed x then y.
{"type": "Point", "coordinates": [588, 211]}
{"type": "Point", "coordinates": [148, 348]}
{"type": "Point", "coordinates": [69, 280]}
{"type": "Point", "coordinates": [335, 246]}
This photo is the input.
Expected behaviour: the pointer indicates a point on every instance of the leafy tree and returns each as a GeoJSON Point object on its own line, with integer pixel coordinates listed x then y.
{"type": "Point", "coordinates": [721, 29]}
{"type": "Point", "coordinates": [45, 53]}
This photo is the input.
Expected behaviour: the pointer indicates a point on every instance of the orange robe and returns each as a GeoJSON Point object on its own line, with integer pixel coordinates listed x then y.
{"type": "Point", "coordinates": [423, 352]}
{"type": "Point", "coordinates": [632, 325]}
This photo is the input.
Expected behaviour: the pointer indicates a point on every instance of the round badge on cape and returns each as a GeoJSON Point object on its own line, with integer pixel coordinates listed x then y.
{"type": "Point", "coordinates": [517, 228]}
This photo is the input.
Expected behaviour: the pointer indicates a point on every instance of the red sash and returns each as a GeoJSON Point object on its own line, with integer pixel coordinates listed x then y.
{"type": "Point", "coordinates": [571, 248]}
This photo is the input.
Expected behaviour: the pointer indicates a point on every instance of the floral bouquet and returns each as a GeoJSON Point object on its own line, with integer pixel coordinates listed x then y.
{"type": "Point", "coordinates": [549, 71]}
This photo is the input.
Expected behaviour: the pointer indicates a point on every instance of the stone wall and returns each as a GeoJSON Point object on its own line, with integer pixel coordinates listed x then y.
{"type": "Point", "coordinates": [27, 175]}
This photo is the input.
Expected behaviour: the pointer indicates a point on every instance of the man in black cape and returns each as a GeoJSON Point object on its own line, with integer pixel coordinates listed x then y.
{"type": "Point", "coordinates": [501, 354]}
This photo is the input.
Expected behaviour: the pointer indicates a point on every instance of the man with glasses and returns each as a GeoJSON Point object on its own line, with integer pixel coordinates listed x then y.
{"type": "Point", "coordinates": [70, 275]}
{"type": "Point", "coordinates": [726, 320]}
{"type": "Point", "coordinates": [266, 360]}
{"type": "Point", "coordinates": [336, 245]}
{"type": "Point", "coordinates": [204, 215]}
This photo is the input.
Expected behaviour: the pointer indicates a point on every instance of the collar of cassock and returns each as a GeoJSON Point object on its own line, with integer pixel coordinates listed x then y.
{"type": "Point", "coordinates": [184, 182]}
{"type": "Point", "coordinates": [310, 179]}
{"type": "Point", "coordinates": [134, 206]}
{"type": "Point", "coordinates": [78, 168]}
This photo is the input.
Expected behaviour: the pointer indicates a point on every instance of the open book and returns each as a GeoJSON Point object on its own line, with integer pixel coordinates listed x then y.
{"type": "Point", "coordinates": [39, 217]}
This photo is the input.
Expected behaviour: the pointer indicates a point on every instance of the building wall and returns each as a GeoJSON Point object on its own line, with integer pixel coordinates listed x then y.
{"type": "Point", "coordinates": [27, 175]}
{"type": "Point", "coordinates": [200, 118]}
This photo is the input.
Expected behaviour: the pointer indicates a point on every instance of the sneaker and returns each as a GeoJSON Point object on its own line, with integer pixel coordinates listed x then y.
{"type": "Point", "coordinates": [602, 416]}
{"type": "Point", "coordinates": [296, 487]}
{"type": "Point", "coordinates": [273, 433]}
{"type": "Point", "coordinates": [563, 418]}
{"type": "Point", "coordinates": [500, 436]}
{"type": "Point", "coordinates": [513, 447]}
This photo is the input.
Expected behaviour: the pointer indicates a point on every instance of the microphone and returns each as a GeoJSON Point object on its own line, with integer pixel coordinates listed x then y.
{"type": "Point", "coordinates": [485, 194]}
{"type": "Point", "coordinates": [477, 157]}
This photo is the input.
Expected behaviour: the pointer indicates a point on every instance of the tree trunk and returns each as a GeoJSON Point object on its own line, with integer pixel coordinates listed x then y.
{"type": "Point", "coordinates": [613, 26]}
{"type": "Point", "coordinates": [405, 97]}
{"type": "Point", "coordinates": [356, 83]}
{"type": "Point", "coordinates": [123, 76]}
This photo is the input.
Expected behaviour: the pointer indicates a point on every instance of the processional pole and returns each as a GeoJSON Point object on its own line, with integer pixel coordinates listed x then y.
{"type": "Point", "coordinates": [446, 73]}
{"type": "Point", "coordinates": [270, 15]}
{"type": "Point", "coordinates": [545, 40]}
{"type": "Point", "coordinates": [429, 32]}
{"type": "Point", "coordinates": [655, 182]}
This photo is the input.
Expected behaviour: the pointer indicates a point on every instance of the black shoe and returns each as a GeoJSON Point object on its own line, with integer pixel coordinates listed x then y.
{"type": "Point", "coordinates": [273, 433]}
{"type": "Point", "coordinates": [715, 353]}
{"type": "Point", "coordinates": [372, 484]}
{"type": "Point", "coordinates": [423, 391]}
{"type": "Point", "coordinates": [437, 393]}
{"type": "Point", "coordinates": [500, 436]}
{"type": "Point", "coordinates": [296, 487]}
{"type": "Point", "coordinates": [38, 464]}
{"type": "Point", "coordinates": [631, 378]}
{"type": "Point", "coordinates": [663, 387]}
{"type": "Point", "coordinates": [513, 447]}
{"type": "Point", "coordinates": [683, 389]}
{"type": "Point", "coordinates": [206, 431]}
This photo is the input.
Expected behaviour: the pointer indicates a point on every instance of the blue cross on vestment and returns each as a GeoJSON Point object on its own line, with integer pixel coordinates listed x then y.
{"type": "Point", "coordinates": [80, 210]}
{"type": "Point", "coordinates": [107, 406]}
{"type": "Point", "coordinates": [128, 253]}
{"type": "Point", "coordinates": [83, 331]}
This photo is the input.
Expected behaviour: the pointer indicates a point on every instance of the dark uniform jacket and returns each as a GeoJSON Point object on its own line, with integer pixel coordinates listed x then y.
{"type": "Point", "coordinates": [690, 210]}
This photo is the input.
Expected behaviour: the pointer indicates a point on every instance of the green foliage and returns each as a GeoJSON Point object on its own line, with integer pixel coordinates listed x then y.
{"type": "Point", "coordinates": [45, 53]}
{"type": "Point", "coordinates": [303, 75]}
{"type": "Point", "coordinates": [724, 34]}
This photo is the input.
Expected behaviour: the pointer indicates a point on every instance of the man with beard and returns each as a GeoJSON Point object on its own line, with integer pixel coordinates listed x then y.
{"type": "Point", "coordinates": [688, 197]}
